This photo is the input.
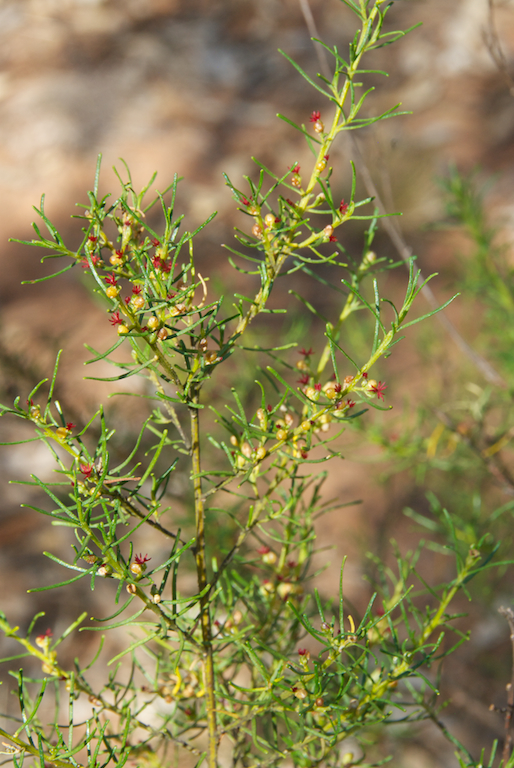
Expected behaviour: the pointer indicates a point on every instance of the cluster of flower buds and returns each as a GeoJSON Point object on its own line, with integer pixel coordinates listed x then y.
{"type": "Point", "coordinates": [284, 583]}
{"type": "Point", "coordinates": [246, 454]}
{"type": "Point", "coordinates": [180, 685]}
{"type": "Point", "coordinates": [49, 665]}
{"type": "Point", "coordinates": [231, 624]}
{"type": "Point", "coordinates": [296, 179]}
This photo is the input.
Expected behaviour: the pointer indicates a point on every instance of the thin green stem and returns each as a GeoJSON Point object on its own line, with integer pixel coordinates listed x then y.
{"type": "Point", "coordinates": [205, 617]}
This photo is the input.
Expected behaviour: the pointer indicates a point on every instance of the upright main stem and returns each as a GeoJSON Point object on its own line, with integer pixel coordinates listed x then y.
{"type": "Point", "coordinates": [205, 617]}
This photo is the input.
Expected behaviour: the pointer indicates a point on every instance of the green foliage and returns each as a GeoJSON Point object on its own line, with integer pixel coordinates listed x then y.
{"type": "Point", "coordinates": [221, 663]}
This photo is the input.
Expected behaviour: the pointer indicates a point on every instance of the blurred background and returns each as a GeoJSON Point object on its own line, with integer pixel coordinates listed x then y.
{"type": "Point", "coordinates": [193, 87]}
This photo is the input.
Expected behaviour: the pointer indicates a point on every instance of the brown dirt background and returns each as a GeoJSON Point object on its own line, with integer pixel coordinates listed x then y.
{"type": "Point", "coordinates": [192, 87]}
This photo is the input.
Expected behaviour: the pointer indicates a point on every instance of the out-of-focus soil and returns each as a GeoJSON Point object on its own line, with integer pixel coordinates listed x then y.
{"type": "Point", "coordinates": [193, 87]}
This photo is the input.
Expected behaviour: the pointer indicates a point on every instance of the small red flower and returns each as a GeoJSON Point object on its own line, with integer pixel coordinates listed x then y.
{"type": "Point", "coordinates": [315, 116]}
{"type": "Point", "coordinates": [94, 260]}
{"type": "Point", "coordinates": [166, 267]}
{"type": "Point", "coordinates": [156, 262]}
{"type": "Point", "coordinates": [332, 239]}
{"type": "Point", "coordinates": [325, 157]}
{"type": "Point", "coordinates": [48, 633]}
{"type": "Point", "coordinates": [304, 379]}
{"type": "Point", "coordinates": [92, 239]}
{"type": "Point", "coordinates": [317, 387]}
{"type": "Point", "coordinates": [305, 455]}
{"type": "Point", "coordinates": [86, 469]}
{"type": "Point", "coordinates": [290, 202]}
{"type": "Point", "coordinates": [365, 375]}
{"type": "Point", "coordinates": [141, 560]}
{"type": "Point", "coordinates": [296, 169]}
{"type": "Point", "coordinates": [116, 319]}
{"type": "Point", "coordinates": [111, 279]}
{"type": "Point", "coordinates": [126, 299]}
{"type": "Point", "coordinates": [70, 425]}
{"type": "Point", "coordinates": [263, 550]}
{"type": "Point", "coordinates": [136, 289]}
{"type": "Point", "coordinates": [343, 207]}
{"type": "Point", "coordinates": [350, 403]}
{"type": "Point", "coordinates": [305, 352]}
{"type": "Point", "coordinates": [269, 408]}
{"type": "Point", "coordinates": [302, 651]}
{"type": "Point", "coordinates": [119, 254]}
{"type": "Point", "coordinates": [154, 241]}
{"type": "Point", "coordinates": [337, 387]}
{"type": "Point", "coordinates": [378, 389]}
{"type": "Point", "coordinates": [245, 201]}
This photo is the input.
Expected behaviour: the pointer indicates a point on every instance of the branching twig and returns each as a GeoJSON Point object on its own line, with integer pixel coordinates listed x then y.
{"type": "Point", "coordinates": [493, 45]}
{"type": "Point", "coordinates": [393, 231]}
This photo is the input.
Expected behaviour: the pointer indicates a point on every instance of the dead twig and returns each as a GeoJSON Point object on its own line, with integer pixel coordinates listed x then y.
{"type": "Point", "coordinates": [508, 613]}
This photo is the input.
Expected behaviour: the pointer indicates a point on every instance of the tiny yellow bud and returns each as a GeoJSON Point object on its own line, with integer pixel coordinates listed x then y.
{"type": "Point", "coordinates": [269, 558]}
{"type": "Point", "coordinates": [163, 334]}
{"type": "Point", "coordinates": [246, 450]}
{"type": "Point", "coordinates": [318, 126]}
{"type": "Point", "coordinates": [300, 693]}
{"type": "Point", "coordinates": [260, 453]}
{"type": "Point", "coordinates": [312, 393]}
{"type": "Point", "coordinates": [131, 589]}
{"type": "Point", "coordinates": [122, 330]}
{"type": "Point", "coordinates": [234, 440]}
{"type": "Point", "coordinates": [306, 425]}
{"type": "Point", "coordinates": [112, 291]}
{"type": "Point", "coordinates": [281, 434]}
{"type": "Point", "coordinates": [269, 220]}
{"type": "Point", "coordinates": [296, 182]}
{"type": "Point", "coordinates": [137, 302]}
{"type": "Point", "coordinates": [321, 165]}
{"type": "Point", "coordinates": [302, 365]}
{"type": "Point", "coordinates": [136, 568]}
{"type": "Point", "coordinates": [237, 617]}
{"type": "Point", "coordinates": [284, 589]}
{"type": "Point", "coordinates": [328, 231]}
{"type": "Point", "coordinates": [62, 432]}
{"type": "Point", "coordinates": [115, 260]}
{"type": "Point", "coordinates": [257, 230]}
{"type": "Point", "coordinates": [152, 323]}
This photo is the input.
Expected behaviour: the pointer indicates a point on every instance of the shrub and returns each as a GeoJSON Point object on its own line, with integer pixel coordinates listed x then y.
{"type": "Point", "coordinates": [252, 660]}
